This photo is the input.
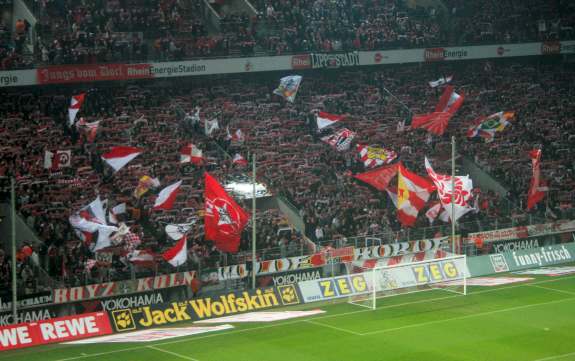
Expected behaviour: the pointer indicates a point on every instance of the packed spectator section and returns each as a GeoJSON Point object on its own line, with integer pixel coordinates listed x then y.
{"type": "Point", "coordinates": [76, 32]}
{"type": "Point", "coordinates": [292, 160]}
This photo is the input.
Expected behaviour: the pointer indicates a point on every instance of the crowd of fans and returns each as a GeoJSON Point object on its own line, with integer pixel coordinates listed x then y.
{"type": "Point", "coordinates": [292, 160]}
{"type": "Point", "coordinates": [71, 32]}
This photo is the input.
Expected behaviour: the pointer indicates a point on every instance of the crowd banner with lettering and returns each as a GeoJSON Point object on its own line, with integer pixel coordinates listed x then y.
{"type": "Point", "coordinates": [108, 289]}
{"type": "Point", "coordinates": [63, 74]}
{"type": "Point", "coordinates": [400, 248]}
{"type": "Point", "coordinates": [410, 275]}
{"type": "Point", "coordinates": [203, 308]}
{"type": "Point", "coordinates": [521, 259]}
{"type": "Point", "coordinates": [60, 329]}
{"type": "Point", "coordinates": [521, 232]}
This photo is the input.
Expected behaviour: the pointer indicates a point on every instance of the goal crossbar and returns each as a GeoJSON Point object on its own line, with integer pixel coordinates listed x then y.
{"type": "Point", "coordinates": [447, 273]}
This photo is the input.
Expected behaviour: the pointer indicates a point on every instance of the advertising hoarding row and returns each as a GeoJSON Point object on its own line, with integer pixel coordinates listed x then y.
{"type": "Point", "coordinates": [64, 74]}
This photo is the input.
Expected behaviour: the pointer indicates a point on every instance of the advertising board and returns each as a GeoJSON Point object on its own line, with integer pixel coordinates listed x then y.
{"type": "Point", "coordinates": [225, 304]}
{"type": "Point", "coordinates": [55, 330]}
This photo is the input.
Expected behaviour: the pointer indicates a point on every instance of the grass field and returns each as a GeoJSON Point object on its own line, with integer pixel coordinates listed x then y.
{"type": "Point", "coordinates": [532, 321]}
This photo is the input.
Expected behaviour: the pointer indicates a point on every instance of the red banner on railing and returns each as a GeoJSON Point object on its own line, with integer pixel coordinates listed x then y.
{"type": "Point", "coordinates": [55, 330]}
{"type": "Point", "coordinates": [92, 72]}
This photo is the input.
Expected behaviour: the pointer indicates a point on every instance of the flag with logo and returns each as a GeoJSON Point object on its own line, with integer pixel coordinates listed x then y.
{"type": "Point", "coordinates": [119, 156]}
{"type": "Point", "coordinates": [224, 219]}
{"type": "Point", "coordinates": [461, 196]}
{"type": "Point", "coordinates": [177, 231]}
{"type": "Point", "coordinates": [413, 192]}
{"type": "Point", "coordinates": [191, 154]}
{"type": "Point", "coordinates": [145, 183]}
{"type": "Point", "coordinates": [57, 160]}
{"type": "Point", "coordinates": [536, 188]}
{"type": "Point", "coordinates": [380, 177]}
{"type": "Point", "coordinates": [374, 157]}
{"type": "Point", "coordinates": [178, 254]}
{"type": "Point", "coordinates": [324, 119]}
{"type": "Point", "coordinates": [340, 140]}
{"type": "Point", "coordinates": [437, 121]}
{"type": "Point", "coordinates": [441, 81]}
{"type": "Point", "coordinates": [75, 106]}
{"type": "Point", "coordinates": [486, 127]}
{"type": "Point", "coordinates": [167, 197]}
{"type": "Point", "coordinates": [288, 87]}
{"type": "Point", "coordinates": [89, 220]}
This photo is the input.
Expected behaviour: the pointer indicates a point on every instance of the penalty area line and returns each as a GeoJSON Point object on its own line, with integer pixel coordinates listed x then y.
{"type": "Point", "coordinates": [334, 327]}
{"type": "Point", "coordinates": [172, 353]}
{"type": "Point", "coordinates": [556, 357]}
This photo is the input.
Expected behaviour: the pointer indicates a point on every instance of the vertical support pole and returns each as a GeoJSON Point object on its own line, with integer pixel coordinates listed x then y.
{"type": "Point", "coordinates": [453, 249]}
{"type": "Point", "coordinates": [13, 241]}
{"type": "Point", "coordinates": [254, 220]}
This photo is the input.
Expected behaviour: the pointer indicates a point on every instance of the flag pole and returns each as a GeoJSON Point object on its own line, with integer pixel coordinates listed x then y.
{"type": "Point", "coordinates": [254, 220]}
{"type": "Point", "coordinates": [13, 239]}
{"type": "Point", "coordinates": [452, 194]}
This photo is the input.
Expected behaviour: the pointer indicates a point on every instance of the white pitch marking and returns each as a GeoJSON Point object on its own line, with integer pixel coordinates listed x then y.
{"type": "Point", "coordinates": [467, 316]}
{"type": "Point", "coordinates": [172, 353]}
{"type": "Point", "coordinates": [298, 321]}
{"type": "Point", "coordinates": [554, 289]}
{"type": "Point", "coordinates": [556, 357]}
{"type": "Point", "coordinates": [334, 327]}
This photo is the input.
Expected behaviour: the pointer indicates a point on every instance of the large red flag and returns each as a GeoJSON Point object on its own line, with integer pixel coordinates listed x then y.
{"type": "Point", "coordinates": [536, 192]}
{"type": "Point", "coordinates": [437, 121]}
{"type": "Point", "coordinates": [379, 177]}
{"type": "Point", "coordinates": [224, 219]}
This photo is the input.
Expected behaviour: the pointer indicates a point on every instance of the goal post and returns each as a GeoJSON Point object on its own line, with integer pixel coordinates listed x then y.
{"type": "Point", "coordinates": [447, 274]}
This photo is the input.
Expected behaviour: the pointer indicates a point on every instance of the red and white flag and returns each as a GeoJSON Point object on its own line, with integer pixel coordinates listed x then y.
{"type": "Point", "coordinates": [437, 211]}
{"type": "Point", "coordinates": [413, 192]}
{"type": "Point", "coordinates": [379, 178]}
{"type": "Point", "coordinates": [91, 130]}
{"type": "Point", "coordinates": [224, 219]}
{"type": "Point", "coordinates": [536, 190]}
{"type": "Point", "coordinates": [167, 197]}
{"type": "Point", "coordinates": [374, 157]}
{"type": "Point", "coordinates": [324, 119]}
{"type": "Point", "coordinates": [461, 196]}
{"type": "Point", "coordinates": [191, 154]}
{"type": "Point", "coordinates": [112, 213]}
{"type": "Point", "coordinates": [58, 160]}
{"type": "Point", "coordinates": [75, 105]}
{"type": "Point", "coordinates": [239, 160]}
{"type": "Point", "coordinates": [238, 135]}
{"type": "Point", "coordinates": [177, 255]}
{"type": "Point", "coordinates": [440, 81]}
{"type": "Point", "coordinates": [142, 258]}
{"type": "Point", "coordinates": [119, 156]}
{"type": "Point", "coordinates": [437, 121]}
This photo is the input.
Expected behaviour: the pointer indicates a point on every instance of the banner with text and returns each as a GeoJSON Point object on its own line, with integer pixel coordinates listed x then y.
{"type": "Point", "coordinates": [204, 308]}
{"type": "Point", "coordinates": [55, 330]}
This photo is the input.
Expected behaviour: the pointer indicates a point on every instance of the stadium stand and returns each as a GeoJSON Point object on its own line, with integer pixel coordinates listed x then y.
{"type": "Point", "coordinates": [292, 160]}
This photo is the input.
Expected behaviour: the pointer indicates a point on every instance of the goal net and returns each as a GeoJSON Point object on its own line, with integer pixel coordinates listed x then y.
{"type": "Point", "coordinates": [447, 274]}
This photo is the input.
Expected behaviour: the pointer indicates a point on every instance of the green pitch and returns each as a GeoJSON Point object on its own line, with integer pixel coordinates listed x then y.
{"type": "Point", "coordinates": [532, 321]}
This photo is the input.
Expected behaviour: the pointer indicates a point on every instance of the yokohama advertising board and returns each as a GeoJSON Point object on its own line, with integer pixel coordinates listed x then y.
{"type": "Point", "coordinates": [55, 330]}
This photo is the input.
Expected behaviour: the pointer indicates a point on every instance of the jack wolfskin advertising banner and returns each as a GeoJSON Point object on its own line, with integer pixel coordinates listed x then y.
{"type": "Point", "coordinates": [225, 304]}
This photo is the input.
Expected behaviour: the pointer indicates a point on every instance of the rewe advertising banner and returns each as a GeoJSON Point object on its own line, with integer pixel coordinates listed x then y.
{"type": "Point", "coordinates": [55, 330]}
